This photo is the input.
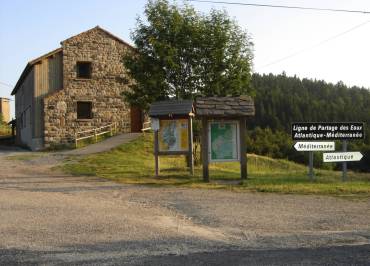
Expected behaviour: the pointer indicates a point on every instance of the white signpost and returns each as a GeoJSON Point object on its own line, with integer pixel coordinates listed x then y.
{"type": "Point", "coordinates": [317, 131]}
{"type": "Point", "coordinates": [315, 146]}
{"type": "Point", "coordinates": [312, 146]}
{"type": "Point", "coordinates": [332, 157]}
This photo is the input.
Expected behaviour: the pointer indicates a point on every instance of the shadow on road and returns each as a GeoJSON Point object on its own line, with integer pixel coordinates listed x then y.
{"type": "Point", "coordinates": [118, 253]}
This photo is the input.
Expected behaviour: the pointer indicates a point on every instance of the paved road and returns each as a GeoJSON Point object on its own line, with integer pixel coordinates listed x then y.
{"type": "Point", "coordinates": [47, 217]}
{"type": "Point", "coordinates": [340, 255]}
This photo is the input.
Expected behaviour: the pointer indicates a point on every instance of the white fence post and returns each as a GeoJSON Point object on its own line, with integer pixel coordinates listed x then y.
{"type": "Point", "coordinates": [111, 128]}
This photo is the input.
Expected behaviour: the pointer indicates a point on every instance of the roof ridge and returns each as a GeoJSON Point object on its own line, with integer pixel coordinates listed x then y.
{"type": "Point", "coordinates": [34, 61]}
{"type": "Point", "coordinates": [103, 30]}
{"type": "Point", "coordinates": [45, 55]}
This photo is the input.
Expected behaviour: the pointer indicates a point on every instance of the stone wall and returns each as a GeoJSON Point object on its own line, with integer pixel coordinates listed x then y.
{"type": "Point", "coordinates": [104, 89]}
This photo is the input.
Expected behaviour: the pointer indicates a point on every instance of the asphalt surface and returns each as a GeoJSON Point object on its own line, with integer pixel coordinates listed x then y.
{"type": "Point", "coordinates": [49, 218]}
{"type": "Point", "coordinates": [342, 255]}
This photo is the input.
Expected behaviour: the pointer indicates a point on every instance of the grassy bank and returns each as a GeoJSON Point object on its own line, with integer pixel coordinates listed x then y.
{"type": "Point", "coordinates": [134, 163]}
{"type": "Point", "coordinates": [85, 142]}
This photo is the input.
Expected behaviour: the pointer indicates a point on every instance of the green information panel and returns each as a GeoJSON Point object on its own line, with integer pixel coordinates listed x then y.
{"type": "Point", "coordinates": [224, 139]}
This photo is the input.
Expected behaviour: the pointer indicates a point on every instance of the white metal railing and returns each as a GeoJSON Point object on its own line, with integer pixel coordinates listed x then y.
{"type": "Point", "coordinates": [111, 128]}
{"type": "Point", "coordinates": [146, 126]}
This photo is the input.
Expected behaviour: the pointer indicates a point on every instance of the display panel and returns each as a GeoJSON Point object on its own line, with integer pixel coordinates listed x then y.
{"type": "Point", "coordinates": [224, 141]}
{"type": "Point", "coordinates": [173, 135]}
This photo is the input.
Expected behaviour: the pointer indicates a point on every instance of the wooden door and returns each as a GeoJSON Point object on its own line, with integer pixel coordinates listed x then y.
{"type": "Point", "coordinates": [136, 119]}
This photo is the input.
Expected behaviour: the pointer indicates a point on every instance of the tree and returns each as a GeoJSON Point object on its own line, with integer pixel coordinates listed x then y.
{"type": "Point", "coordinates": [181, 53]}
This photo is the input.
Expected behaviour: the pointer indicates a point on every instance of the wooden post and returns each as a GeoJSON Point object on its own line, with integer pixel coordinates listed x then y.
{"type": "Point", "coordinates": [310, 165]}
{"type": "Point", "coordinates": [242, 149]}
{"type": "Point", "coordinates": [96, 136]}
{"type": "Point", "coordinates": [156, 149]}
{"type": "Point", "coordinates": [344, 164]}
{"type": "Point", "coordinates": [190, 134]}
{"type": "Point", "coordinates": [205, 149]}
{"type": "Point", "coordinates": [76, 140]}
{"type": "Point", "coordinates": [13, 130]}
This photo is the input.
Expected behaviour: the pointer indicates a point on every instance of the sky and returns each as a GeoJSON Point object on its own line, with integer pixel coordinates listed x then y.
{"type": "Point", "coordinates": [325, 45]}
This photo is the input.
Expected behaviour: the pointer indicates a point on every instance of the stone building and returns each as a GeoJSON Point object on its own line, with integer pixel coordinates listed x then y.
{"type": "Point", "coordinates": [74, 88]}
{"type": "Point", "coordinates": [5, 109]}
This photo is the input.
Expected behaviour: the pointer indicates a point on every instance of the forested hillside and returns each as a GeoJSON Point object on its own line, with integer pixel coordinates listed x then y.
{"type": "Point", "coordinates": [281, 100]}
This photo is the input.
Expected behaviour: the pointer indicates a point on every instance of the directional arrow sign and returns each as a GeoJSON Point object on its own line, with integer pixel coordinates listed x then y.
{"type": "Point", "coordinates": [342, 156]}
{"type": "Point", "coordinates": [315, 146]}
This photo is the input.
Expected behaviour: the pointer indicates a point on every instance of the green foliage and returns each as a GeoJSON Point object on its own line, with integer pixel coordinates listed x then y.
{"type": "Point", "coordinates": [278, 144]}
{"type": "Point", "coordinates": [282, 100]}
{"type": "Point", "coordinates": [181, 53]}
{"type": "Point", "coordinates": [273, 144]}
{"type": "Point", "coordinates": [5, 129]}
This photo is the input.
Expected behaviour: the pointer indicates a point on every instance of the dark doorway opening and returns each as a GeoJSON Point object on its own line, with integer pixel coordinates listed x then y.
{"type": "Point", "coordinates": [136, 119]}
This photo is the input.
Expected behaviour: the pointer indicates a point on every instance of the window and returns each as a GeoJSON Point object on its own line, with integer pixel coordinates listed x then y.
{"type": "Point", "coordinates": [84, 70]}
{"type": "Point", "coordinates": [84, 110]}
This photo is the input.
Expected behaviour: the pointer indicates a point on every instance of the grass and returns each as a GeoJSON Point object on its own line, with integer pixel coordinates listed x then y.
{"type": "Point", "coordinates": [133, 163]}
{"type": "Point", "coordinates": [25, 157]}
{"type": "Point", "coordinates": [85, 142]}
{"type": "Point", "coordinates": [80, 144]}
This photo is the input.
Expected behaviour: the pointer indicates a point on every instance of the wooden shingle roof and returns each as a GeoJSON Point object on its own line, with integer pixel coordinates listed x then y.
{"type": "Point", "coordinates": [171, 108]}
{"type": "Point", "coordinates": [225, 106]}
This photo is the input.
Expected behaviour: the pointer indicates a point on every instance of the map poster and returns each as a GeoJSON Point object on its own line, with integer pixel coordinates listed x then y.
{"type": "Point", "coordinates": [224, 141]}
{"type": "Point", "coordinates": [173, 135]}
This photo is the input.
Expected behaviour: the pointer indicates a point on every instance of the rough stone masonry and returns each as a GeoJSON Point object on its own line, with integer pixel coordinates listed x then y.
{"type": "Point", "coordinates": [103, 89]}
